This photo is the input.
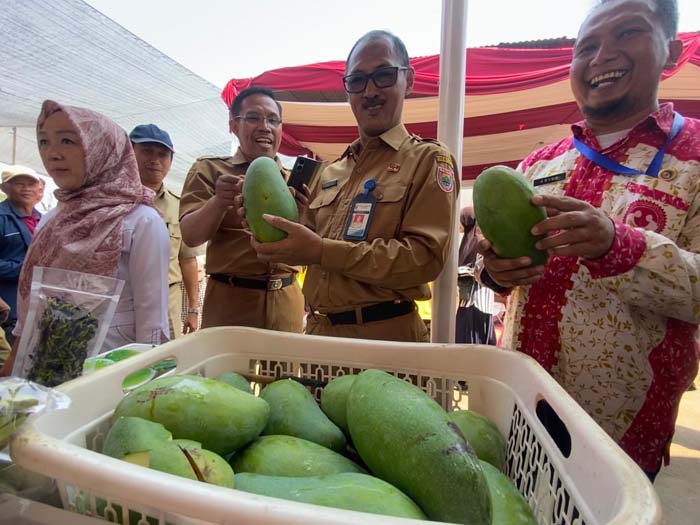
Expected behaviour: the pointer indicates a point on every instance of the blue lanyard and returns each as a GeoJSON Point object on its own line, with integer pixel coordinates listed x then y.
{"type": "Point", "coordinates": [652, 171]}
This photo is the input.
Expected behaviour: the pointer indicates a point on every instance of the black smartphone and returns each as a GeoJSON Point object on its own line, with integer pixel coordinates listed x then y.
{"type": "Point", "coordinates": [303, 172]}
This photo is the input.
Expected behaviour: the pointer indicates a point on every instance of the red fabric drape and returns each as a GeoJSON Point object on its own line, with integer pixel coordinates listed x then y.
{"type": "Point", "coordinates": [489, 70]}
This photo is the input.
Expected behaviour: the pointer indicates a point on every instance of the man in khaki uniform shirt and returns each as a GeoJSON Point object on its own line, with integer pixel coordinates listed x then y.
{"type": "Point", "coordinates": [154, 152]}
{"type": "Point", "coordinates": [241, 290]}
{"type": "Point", "coordinates": [371, 257]}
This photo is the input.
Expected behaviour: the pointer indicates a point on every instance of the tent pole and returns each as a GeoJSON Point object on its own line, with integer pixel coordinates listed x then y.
{"type": "Point", "coordinates": [453, 47]}
{"type": "Point", "coordinates": [14, 145]}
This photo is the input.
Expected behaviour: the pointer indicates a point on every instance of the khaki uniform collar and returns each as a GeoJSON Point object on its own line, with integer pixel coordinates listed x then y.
{"type": "Point", "coordinates": [393, 138]}
{"type": "Point", "coordinates": [161, 192]}
{"type": "Point", "coordinates": [238, 158]}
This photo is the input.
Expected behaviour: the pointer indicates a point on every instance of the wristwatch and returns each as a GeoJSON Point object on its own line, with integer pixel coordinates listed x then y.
{"type": "Point", "coordinates": [193, 311]}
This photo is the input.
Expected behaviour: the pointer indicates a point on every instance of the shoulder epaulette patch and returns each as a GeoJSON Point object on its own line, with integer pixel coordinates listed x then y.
{"type": "Point", "coordinates": [426, 140]}
{"type": "Point", "coordinates": [444, 173]}
{"type": "Point", "coordinates": [212, 157]}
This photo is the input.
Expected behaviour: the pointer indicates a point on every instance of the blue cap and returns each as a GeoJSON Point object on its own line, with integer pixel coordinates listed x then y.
{"type": "Point", "coordinates": [151, 133]}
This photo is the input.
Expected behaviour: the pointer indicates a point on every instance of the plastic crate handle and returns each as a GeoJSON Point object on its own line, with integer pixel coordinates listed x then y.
{"type": "Point", "coordinates": [554, 426]}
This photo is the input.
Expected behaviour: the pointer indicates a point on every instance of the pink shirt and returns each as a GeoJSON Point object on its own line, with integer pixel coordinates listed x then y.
{"type": "Point", "coordinates": [31, 222]}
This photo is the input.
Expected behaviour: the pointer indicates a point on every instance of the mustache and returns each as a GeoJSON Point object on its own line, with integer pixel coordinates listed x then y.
{"type": "Point", "coordinates": [371, 101]}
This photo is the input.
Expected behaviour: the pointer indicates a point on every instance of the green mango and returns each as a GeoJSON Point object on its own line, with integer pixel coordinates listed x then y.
{"type": "Point", "coordinates": [133, 434]}
{"type": "Point", "coordinates": [291, 456]}
{"type": "Point", "coordinates": [213, 468]}
{"type": "Point", "coordinates": [483, 435]}
{"type": "Point", "coordinates": [149, 444]}
{"type": "Point", "coordinates": [505, 214]}
{"type": "Point", "coordinates": [509, 506]}
{"type": "Point", "coordinates": [236, 380]}
{"type": "Point", "coordinates": [265, 191]}
{"type": "Point", "coordinates": [219, 416]}
{"type": "Point", "coordinates": [294, 412]}
{"type": "Point", "coordinates": [187, 443]}
{"type": "Point", "coordinates": [348, 490]}
{"type": "Point", "coordinates": [405, 438]}
{"type": "Point", "coordinates": [165, 456]}
{"type": "Point", "coordinates": [334, 398]}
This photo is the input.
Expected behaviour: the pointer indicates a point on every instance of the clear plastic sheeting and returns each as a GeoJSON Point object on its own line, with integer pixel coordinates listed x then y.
{"type": "Point", "coordinates": [72, 53]}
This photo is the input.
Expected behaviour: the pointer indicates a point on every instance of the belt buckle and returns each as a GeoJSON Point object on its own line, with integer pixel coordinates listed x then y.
{"type": "Point", "coordinates": [274, 284]}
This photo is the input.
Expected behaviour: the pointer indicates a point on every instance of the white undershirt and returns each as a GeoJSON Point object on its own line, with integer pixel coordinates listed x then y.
{"type": "Point", "coordinates": [609, 139]}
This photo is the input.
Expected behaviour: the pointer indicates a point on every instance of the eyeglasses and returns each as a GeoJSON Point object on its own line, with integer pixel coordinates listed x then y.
{"type": "Point", "coordinates": [256, 120]}
{"type": "Point", "coordinates": [383, 77]}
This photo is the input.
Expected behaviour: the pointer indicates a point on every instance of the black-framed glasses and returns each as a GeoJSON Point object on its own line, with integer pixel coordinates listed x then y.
{"type": "Point", "coordinates": [256, 120]}
{"type": "Point", "coordinates": [383, 77]}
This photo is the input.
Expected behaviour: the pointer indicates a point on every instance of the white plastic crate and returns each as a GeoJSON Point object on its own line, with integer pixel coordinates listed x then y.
{"type": "Point", "coordinates": [21, 511]}
{"type": "Point", "coordinates": [594, 483]}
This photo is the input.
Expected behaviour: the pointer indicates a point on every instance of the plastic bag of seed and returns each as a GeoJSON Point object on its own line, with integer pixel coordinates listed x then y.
{"type": "Point", "coordinates": [68, 318]}
{"type": "Point", "coordinates": [20, 399]}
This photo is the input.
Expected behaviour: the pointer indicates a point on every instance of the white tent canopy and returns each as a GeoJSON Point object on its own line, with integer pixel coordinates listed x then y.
{"type": "Point", "coordinates": [70, 52]}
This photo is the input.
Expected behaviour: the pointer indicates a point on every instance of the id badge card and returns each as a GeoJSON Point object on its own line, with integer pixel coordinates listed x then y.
{"type": "Point", "coordinates": [361, 214]}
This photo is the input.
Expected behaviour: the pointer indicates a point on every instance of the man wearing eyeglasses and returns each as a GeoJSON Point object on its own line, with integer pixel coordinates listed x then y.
{"type": "Point", "coordinates": [380, 219]}
{"type": "Point", "coordinates": [241, 289]}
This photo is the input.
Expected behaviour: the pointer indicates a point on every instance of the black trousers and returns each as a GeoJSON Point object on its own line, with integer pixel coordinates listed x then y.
{"type": "Point", "coordinates": [474, 327]}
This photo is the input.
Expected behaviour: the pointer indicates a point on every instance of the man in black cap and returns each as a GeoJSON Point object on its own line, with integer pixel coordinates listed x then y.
{"type": "Point", "coordinates": [154, 154]}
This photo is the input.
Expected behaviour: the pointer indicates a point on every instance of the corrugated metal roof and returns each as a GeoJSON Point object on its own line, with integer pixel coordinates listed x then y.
{"type": "Point", "coordinates": [545, 43]}
{"type": "Point", "coordinates": [70, 52]}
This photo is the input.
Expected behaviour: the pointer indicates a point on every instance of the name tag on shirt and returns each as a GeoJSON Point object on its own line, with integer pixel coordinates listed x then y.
{"type": "Point", "coordinates": [360, 218]}
{"type": "Point", "coordinates": [549, 179]}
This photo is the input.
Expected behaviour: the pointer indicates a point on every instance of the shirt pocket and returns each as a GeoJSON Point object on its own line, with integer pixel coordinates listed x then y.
{"type": "Point", "coordinates": [388, 215]}
{"type": "Point", "coordinates": [328, 211]}
{"type": "Point", "coordinates": [13, 241]}
{"type": "Point", "coordinates": [325, 198]}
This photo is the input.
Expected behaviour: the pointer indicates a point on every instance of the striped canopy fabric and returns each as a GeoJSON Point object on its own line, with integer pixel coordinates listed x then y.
{"type": "Point", "coordinates": [517, 99]}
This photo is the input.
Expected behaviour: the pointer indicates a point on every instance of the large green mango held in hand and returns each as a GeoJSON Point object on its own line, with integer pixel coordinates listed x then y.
{"type": "Point", "coordinates": [505, 214]}
{"type": "Point", "coordinates": [265, 191]}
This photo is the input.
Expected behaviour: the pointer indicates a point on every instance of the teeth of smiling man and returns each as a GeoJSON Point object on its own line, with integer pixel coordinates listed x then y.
{"type": "Point", "coordinates": [263, 141]}
{"type": "Point", "coordinates": [609, 76]}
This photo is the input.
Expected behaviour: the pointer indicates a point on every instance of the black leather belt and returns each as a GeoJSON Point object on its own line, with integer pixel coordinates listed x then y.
{"type": "Point", "coordinates": [373, 312]}
{"type": "Point", "coordinates": [258, 284]}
